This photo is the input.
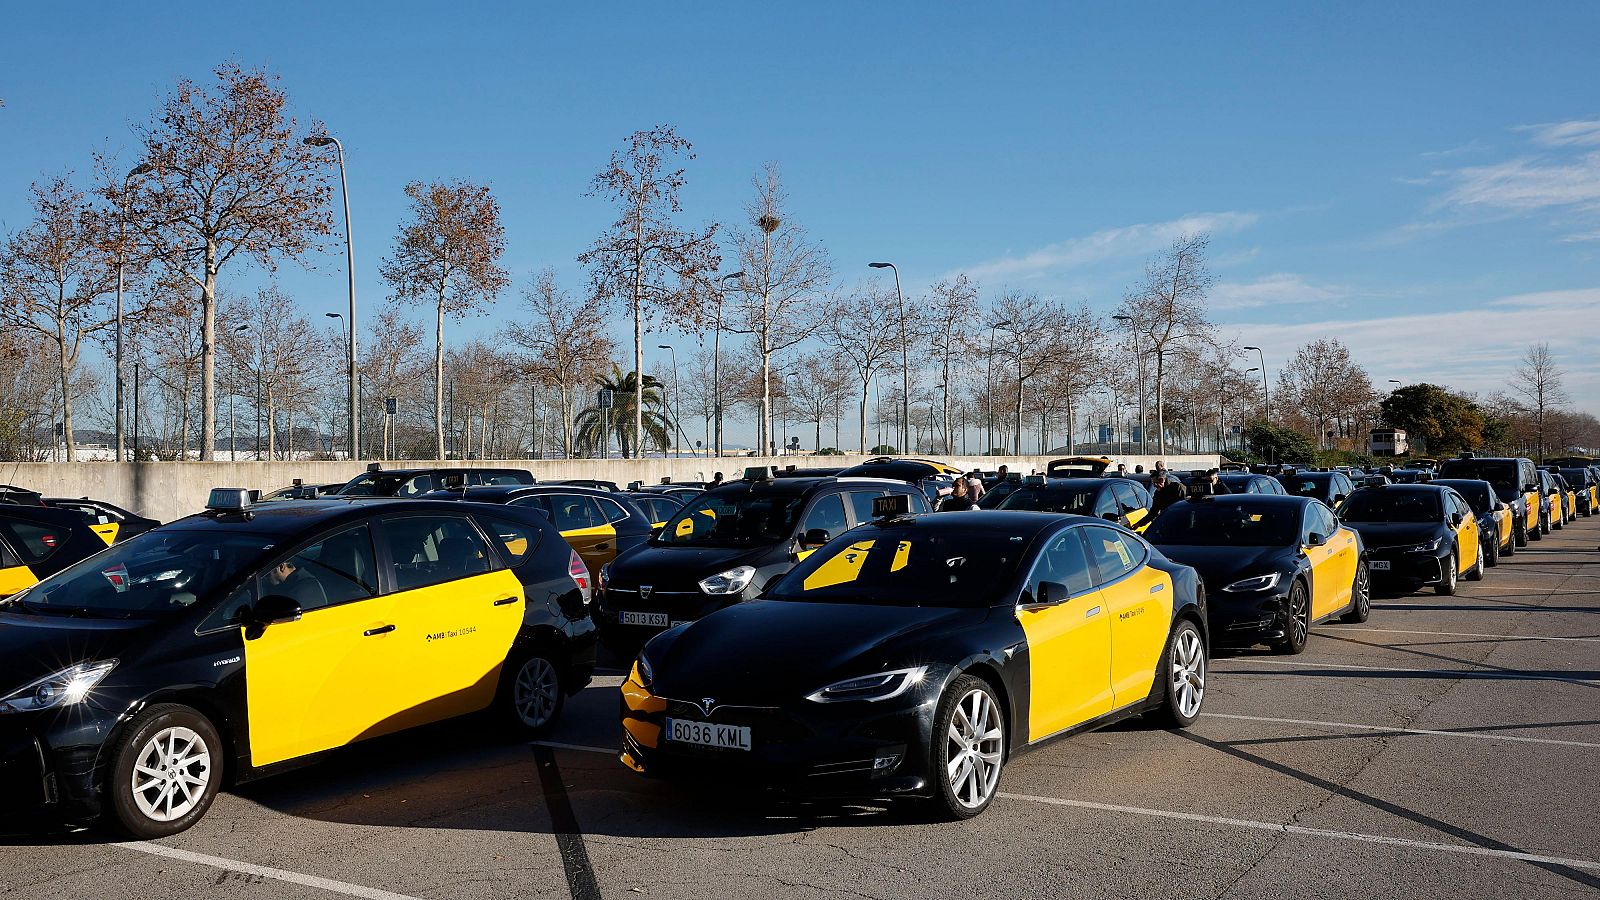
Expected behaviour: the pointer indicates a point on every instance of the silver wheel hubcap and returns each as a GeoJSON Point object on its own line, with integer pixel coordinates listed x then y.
{"type": "Point", "coordinates": [536, 691]}
{"type": "Point", "coordinates": [1188, 674]}
{"type": "Point", "coordinates": [171, 774]}
{"type": "Point", "coordinates": [974, 747]}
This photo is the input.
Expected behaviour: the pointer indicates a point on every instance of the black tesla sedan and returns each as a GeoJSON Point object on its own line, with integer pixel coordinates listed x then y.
{"type": "Point", "coordinates": [1329, 487]}
{"type": "Point", "coordinates": [1416, 534]}
{"type": "Point", "coordinates": [914, 655]}
{"type": "Point", "coordinates": [1273, 566]}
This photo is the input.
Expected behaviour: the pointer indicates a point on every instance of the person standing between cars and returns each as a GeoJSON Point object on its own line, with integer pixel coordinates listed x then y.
{"type": "Point", "coordinates": [716, 481]}
{"type": "Point", "coordinates": [975, 485]}
{"type": "Point", "coordinates": [1122, 470]}
{"type": "Point", "coordinates": [1138, 470]}
{"type": "Point", "coordinates": [958, 499]}
{"type": "Point", "coordinates": [1161, 467]}
{"type": "Point", "coordinates": [1218, 486]}
{"type": "Point", "coordinates": [1166, 491]}
{"type": "Point", "coordinates": [1001, 472]}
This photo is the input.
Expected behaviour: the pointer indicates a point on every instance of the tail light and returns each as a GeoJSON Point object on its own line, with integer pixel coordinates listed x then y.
{"type": "Point", "coordinates": [580, 575]}
{"type": "Point", "coordinates": [49, 540]}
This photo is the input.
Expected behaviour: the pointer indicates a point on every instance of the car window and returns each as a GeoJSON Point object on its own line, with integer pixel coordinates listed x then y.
{"type": "Point", "coordinates": [1063, 561]}
{"type": "Point", "coordinates": [493, 478]}
{"type": "Point", "coordinates": [919, 503]}
{"type": "Point", "coordinates": [1125, 496]}
{"type": "Point", "coordinates": [337, 569]}
{"type": "Point", "coordinates": [418, 484]}
{"type": "Point", "coordinates": [516, 539]}
{"type": "Point", "coordinates": [428, 550]}
{"type": "Point", "coordinates": [613, 510]}
{"type": "Point", "coordinates": [1112, 553]}
{"type": "Point", "coordinates": [571, 512]}
{"type": "Point", "coordinates": [34, 542]}
{"type": "Point", "coordinates": [1106, 504]}
{"type": "Point", "coordinates": [861, 504]}
{"type": "Point", "coordinates": [230, 612]}
{"type": "Point", "coordinates": [1320, 520]}
{"type": "Point", "coordinates": [828, 514]}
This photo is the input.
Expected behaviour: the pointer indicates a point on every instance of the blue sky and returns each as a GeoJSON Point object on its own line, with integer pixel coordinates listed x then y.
{"type": "Point", "coordinates": [1422, 180]}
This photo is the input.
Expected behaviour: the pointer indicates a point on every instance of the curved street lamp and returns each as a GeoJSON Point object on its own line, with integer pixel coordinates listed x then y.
{"type": "Point", "coordinates": [354, 424]}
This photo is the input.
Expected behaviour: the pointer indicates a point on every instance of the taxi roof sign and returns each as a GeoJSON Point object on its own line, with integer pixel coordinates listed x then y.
{"type": "Point", "coordinates": [228, 499]}
{"type": "Point", "coordinates": [890, 506]}
{"type": "Point", "coordinates": [761, 473]}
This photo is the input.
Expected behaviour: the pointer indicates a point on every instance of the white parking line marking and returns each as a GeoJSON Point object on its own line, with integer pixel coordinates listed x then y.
{"type": "Point", "coordinates": [1521, 571]}
{"type": "Point", "coordinates": [1448, 673]}
{"type": "Point", "coordinates": [557, 745]}
{"type": "Point", "coordinates": [1398, 730]}
{"type": "Point", "coordinates": [1503, 637]}
{"type": "Point", "coordinates": [1311, 832]}
{"type": "Point", "coordinates": [233, 865]}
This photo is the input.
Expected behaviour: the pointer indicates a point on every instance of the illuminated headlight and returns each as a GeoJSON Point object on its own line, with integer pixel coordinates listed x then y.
{"type": "Point", "coordinates": [730, 582]}
{"type": "Point", "coordinates": [1258, 583]}
{"type": "Point", "coordinates": [63, 688]}
{"type": "Point", "coordinates": [881, 686]}
{"type": "Point", "coordinates": [642, 674]}
{"type": "Point", "coordinates": [1428, 547]}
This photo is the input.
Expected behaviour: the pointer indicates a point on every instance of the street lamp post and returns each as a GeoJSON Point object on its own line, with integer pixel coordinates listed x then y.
{"type": "Point", "coordinates": [905, 358]}
{"type": "Point", "coordinates": [716, 362]}
{"type": "Point", "coordinates": [324, 140]}
{"type": "Point", "coordinates": [122, 258]}
{"type": "Point", "coordinates": [988, 386]}
{"type": "Point", "coordinates": [344, 339]}
{"type": "Point", "coordinates": [677, 398]}
{"type": "Point", "coordinates": [1266, 399]}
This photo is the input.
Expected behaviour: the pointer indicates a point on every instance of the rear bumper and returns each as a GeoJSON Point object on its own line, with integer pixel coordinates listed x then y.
{"type": "Point", "coordinates": [1407, 568]}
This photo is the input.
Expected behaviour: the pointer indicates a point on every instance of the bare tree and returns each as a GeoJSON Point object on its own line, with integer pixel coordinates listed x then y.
{"type": "Point", "coordinates": [1320, 382]}
{"type": "Point", "coordinates": [643, 259]}
{"type": "Point", "coordinates": [1538, 381]}
{"type": "Point", "coordinates": [1168, 310]}
{"type": "Point", "coordinates": [783, 272]}
{"type": "Point", "coordinates": [55, 278]}
{"type": "Point", "coordinates": [954, 308]}
{"type": "Point", "coordinates": [566, 343]}
{"type": "Point", "coordinates": [448, 254]}
{"type": "Point", "coordinates": [270, 343]}
{"type": "Point", "coordinates": [1077, 362]}
{"type": "Point", "coordinates": [230, 178]}
{"type": "Point", "coordinates": [1034, 345]}
{"type": "Point", "coordinates": [861, 330]}
{"type": "Point", "coordinates": [393, 366]}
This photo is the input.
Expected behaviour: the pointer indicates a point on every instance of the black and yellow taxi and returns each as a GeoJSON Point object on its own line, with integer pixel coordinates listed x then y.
{"type": "Point", "coordinates": [724, 546]}
{"type": "Point", "coordinates": [38, 541]}
{"type": "Point", "coordinates": [1120, 500]}
{"type": "Point", "coordinates": [1516, 483]}
{"type": "Point", "coordinates": [658, 506]}
{"type": "Point", "coordinates": [234, 643]}
{"type": "Point", "coordinates": [1416, 534]}
{"type": "Point", "coordinates": [1585, 487]}
{"type": "Point", "coordinates": [1555, 500]}
{"type": "Point", "coordinates": [111, 522]}
{"type": "Point", "coordinates": [599, 524]}
{"type": "Point", "coordinates": [377, 481]}
{"type": "Point", "coordinates": [1274, 566]}
{"type": "Point", "coordinates": [915, 655]}
{"type": "Point", "coordinates": [1077, 467]}
{"type": "Point", "coordinates": [930, 475]}
{"type": "Point", "coordinates": [1496, 521]}
{"type": "Point", "coordinates": [1569, 493]}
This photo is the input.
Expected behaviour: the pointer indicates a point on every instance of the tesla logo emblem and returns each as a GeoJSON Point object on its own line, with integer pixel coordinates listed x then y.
{"type": "Point", "coordinates": [644, 591]}
{"type": "Point", "coordinates": [706, 703]}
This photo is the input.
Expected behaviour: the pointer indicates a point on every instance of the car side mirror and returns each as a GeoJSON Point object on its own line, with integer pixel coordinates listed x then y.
{"type": "Point", "coordinates": [815, 538]}
{"type": "Point", "coordinates": [1110, 516]}
{"type": "Point", "coordinates": [1456, 519]}
{"type": "Point", "coordinates": [1315, 539]}
{"type": "Point", "coordinates": [274, 609]}
{"type": "Point", "coordinates": [1338, 498]}
{"type": "Point", "coordinates": [1048, 593]}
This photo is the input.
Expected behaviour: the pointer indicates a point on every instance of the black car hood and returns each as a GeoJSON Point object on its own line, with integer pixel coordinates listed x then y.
{"type": "Point", "coordinates": [1220, 566]}
{"type": "Point", "coordinates": [1378, 535]}
{"type": "Point", "coordinates": [33, 646]}
{"type": "Point", "coordinates": [670, 568]}
{"type": "Point", "coordinates": [771, 652]}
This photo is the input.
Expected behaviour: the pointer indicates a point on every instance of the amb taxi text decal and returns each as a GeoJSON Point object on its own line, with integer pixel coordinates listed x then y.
{"type": "Point", "coordinates": [454, 632]}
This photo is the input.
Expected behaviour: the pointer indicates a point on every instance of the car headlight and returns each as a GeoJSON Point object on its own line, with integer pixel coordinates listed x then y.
{"type": "Point", "coordinates": [1427, 547]}
{"type": "Point", "coordinates": [730, 582]}
{"type": "Point", "coordinates": [1258, 583]}
{"type": "Point", "coordinates": [881, 686]}
{"type": "Point", "coordinates": [63, 688]}
{"type": "Point", "coordinates": [642, 674]}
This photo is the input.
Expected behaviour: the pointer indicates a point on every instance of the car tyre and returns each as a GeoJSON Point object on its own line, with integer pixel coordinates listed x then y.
{"type": "Point", "coordinates": [1184, 668]}
{"type": "Point", "coordinates": [1476, 572]}
{"type": "Point", "coordinates": [969, 748]}
{"type": "Point", "coordinates": [1296, 620]}
{"type": "Point", "coordinates": [1448, 578]}
{"type": "Point", "coordinates": [533, 692]}
{"type": "Point", "coordinates": [1519, 537]}
{"type": "Point", "coordinates": [1360, 597]}
{"type": "Point", "coordinates": [1491, 556]}
{"type": "Point", "coordinates": [166, 769]}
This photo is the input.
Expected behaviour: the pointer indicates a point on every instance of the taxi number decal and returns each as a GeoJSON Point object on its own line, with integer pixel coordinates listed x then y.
{"type": "Point", "coordinates": [451, 633]}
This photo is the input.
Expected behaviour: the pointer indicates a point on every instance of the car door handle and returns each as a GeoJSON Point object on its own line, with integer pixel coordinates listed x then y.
{"type": "Point", "coordinates": [505, 600]}
{"type": "Point", "coordinates": [1091, 612]}
{"type": "Point", "coordinates": [602, 546]}
{"type": "Point", "coordinates": [374, 632]}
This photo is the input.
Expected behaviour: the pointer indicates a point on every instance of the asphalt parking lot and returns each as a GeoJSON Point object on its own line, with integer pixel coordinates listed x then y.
{"type": "Point", "coordinates": [1447, 748]}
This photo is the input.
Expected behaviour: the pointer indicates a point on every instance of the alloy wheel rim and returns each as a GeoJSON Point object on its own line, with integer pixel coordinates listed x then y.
{"type": "Point", "coordinates": [536, 692]}
{"type": "Point", "coordinates": [1298, 615]}
{"type": "Point", "coordinates": [1363, 591]}
{"type": "Point", "coordinates": [1188, 674]}
{"type": "Point", "coordinates": [975, 746]}
{"type": "Point", "coordinates": [171, 774]}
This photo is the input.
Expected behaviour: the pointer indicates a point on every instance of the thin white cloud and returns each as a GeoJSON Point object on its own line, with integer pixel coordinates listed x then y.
{"type": "Point", "coordinates": [1474, 349]}
{"type": "Point", "coordinates": [1272, 290]}
{"type": "Point", "coordinates": [1111, 243]}
{"type": "Point", "coordinates": [1528, 184]}
{"type": "Point", "coordinates": [1576, 132]}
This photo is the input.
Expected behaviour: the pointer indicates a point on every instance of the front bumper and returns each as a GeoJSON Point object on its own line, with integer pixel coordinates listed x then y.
{"type": "Point", "coordinates": [48, 764]}
{"type": "Point", "coordinates": [854, 750]}
{"type": "Point", "coordinates": [1242, 619]}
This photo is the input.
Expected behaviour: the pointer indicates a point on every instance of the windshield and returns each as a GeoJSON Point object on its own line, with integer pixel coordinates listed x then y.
{"type": "Point", "coordinates": [1379, 505]}
{"type": "Point", "coordinates": [738, 518]}
{"type": "Point", "coordinates": [1063, 500]}
{"type": "Point", "coordinates": [1574, 476]}
{"type": "Point", "coordinates": [1476, 494]}
{"type": "Point", "coordinates": [1501, 474]}
{"type": "Point", "coordinates": [1217, 522]}
{"type": "Point", "coordinates": [906, 565]}
{"type": "Point", "coordinates": [156, 573]}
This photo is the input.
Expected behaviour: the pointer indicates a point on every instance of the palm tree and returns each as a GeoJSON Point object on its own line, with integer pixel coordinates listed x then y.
{"type": "Point", "coordinates": [594, 423]}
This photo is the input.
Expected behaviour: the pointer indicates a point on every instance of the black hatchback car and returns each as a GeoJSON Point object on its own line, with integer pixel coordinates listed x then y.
{"type": "Point", "coordinates": [726, 544]}
{"type": "Point", "coordinates": [1416, 534]}
{"type": "Point", "coordinates": [1120, 500]}
{"type": "Point", "coordinates": [1329, 487]}
{"type": "Point", "coordinates": [378, 482]}
{"type": "Point", "coordinates": [243, 640]}
{"type": "Point", "coordinates": [36, 541]}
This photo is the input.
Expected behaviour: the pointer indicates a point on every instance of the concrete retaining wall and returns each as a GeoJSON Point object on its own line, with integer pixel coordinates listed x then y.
{"type": "Point", "coordinates": [170, 490]}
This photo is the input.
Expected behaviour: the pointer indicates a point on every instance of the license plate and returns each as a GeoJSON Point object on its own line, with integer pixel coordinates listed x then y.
{"type": "Point", "coordinates": [706, 734]}
{"type": "Point", "coordinates": [658, 620]}
{"type": "Point", "coordinates": [1380, 565]}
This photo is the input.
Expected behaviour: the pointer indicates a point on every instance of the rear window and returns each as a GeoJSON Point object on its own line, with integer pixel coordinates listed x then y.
{"type": "Point", "coordinates": [1218, 522]}
{"type": "Point", "coordinates": [1079, 501]}
{"type": "Point", "coordinates": [35, 542]}
{"type": "Point", "coordinates": [1500, 473]}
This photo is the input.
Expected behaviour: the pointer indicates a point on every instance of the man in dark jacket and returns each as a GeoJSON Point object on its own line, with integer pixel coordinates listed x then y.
{"type": "Point", "coordinates": [1166, 491]}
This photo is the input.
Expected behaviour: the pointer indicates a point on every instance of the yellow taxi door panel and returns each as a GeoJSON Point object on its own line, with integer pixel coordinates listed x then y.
{"type": "Point", "coordinates": [1324, 578]}
{"type": "Point", "coordinates": [107, 532]}
{"type": "Point", "coordinates": [1069, 663]}
{"type": "Point", "coordinates": [321, 682]}
{"type": "Point", "coordinates": [579, 519]}
{"type": "Point", "coordinates": [1467, 538]}
{"type": "Point", "coordinates": [1342, 569]}
{"type": "Point", "coordinates": [449, 644]}
{"type": "Point", "coordinates": [1533, 504]}
{"type": "Point", "coordinates": [596, 545]}
{"type": "Point", "coordinates": [1140, 607]}
{"type": "Point", "coordinates": [14, 579]}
